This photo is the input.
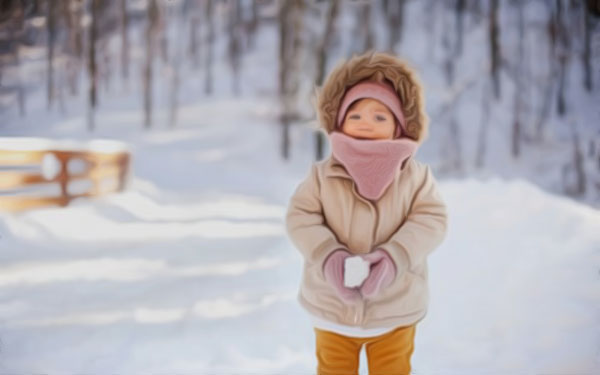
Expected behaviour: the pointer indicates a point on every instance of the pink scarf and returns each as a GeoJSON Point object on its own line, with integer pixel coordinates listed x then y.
{"type": "Point", "coordinates": [372, 163]}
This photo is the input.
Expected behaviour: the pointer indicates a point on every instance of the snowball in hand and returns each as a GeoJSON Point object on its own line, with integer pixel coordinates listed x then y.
{"type": "Point", "coordinates": [356, 270]}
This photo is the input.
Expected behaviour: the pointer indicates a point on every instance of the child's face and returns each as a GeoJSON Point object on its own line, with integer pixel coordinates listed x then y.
{"type": "Point", "coordinates": [369, 119]}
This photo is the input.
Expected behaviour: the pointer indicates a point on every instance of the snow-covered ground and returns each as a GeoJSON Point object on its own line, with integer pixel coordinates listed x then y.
{"type": "Point", "coordinates": [189, 271]}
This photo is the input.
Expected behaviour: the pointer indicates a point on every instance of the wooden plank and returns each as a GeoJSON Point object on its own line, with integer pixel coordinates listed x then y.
{"type": "Point", "coordinates": [21, 157]}
{"type": "Point", "coordinates": [19, 203]}
{"type": "Point", "coordinates": [13, 179]}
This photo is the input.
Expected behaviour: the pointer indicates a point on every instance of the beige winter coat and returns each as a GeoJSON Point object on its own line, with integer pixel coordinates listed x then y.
{"type": "Point", "coordinates": [409, 221]}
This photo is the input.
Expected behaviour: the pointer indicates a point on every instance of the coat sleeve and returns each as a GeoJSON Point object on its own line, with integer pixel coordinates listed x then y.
{"type": "Point", "coordinates": [306, 225]}
{"type": "Point", "coordinates": [424, 228]}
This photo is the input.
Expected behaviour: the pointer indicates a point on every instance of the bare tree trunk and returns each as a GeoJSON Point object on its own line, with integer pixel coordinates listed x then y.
{"type": "Point", "coordinates": [459, 13]}
{"type": "Point", "coordinates": [325, 42]}
{"type": "Point", "coordinates": [60, 89]}
{"type": "Point", "coordinates": [175, 74]}
{"type": "Point", "coordinates": [367, 32]}
{"type": "Point", "coordinates": [579, 164]}
{"type": "Point", "coordinates": [234, 46]}
{"type": "Point", "coordinates": [106, 66]}
{"type": "Point", "coordinates": [174, 97]}
{"type": "Point", "coordinates": [150, 43]}
{"type": "Point", "coordinates": [484, 124]}
{"type": "Point", "coordinates": [290, 26]}
{"type": "Point", "coordinates": [252, 25]}
{"type": "Point", "coordinates": [454, 148]}
{"type": "Point", "coordinates": [322, 48]}
{"type": "Point", "coordinates": [59, 65]}
{"type": "Point", "coordinates": [494, 35]}
{"type": "Point", "coordinates": [208, 84]}
{"type": "Point", "coordinates": [76, 14]}
{"type": "Point", "coordinates": [78, 11]}
{"type": "Point", "coordinates": [124, 41]}
{"type": "Point", "coordinates": [456, 136]}
{"type": "Point", "coordinates": [92, 64]}
{"type": "Point", "coordinates": [284, 31]}
{"type": "Point", "coordinates": [576, 168]}
{"type": "Point", "coordinates": [72, 60]}
{"type": "Point", "coordinates": [563, 58]}
{"type": "Point", "coordinates": [191, 7]}
{"type": "Point", "coordinates": [162, 31]}
{"type": "Point", "coordinates": [51, 30]}
{"type": "Point", "coordinates": [548, 89]}
{"type": "Point", "coordinates": [431, 10]}
{"type": "Point", "coordinates": [586, 55]}
{"type": "Point", "coordinates": [15, 35]}
{"type": "Point", "coordinates": [394, 11]}
{"type": "Point", "coordinates": [362, 35]}
{"type": "Point", "coordinates": [519, 85]}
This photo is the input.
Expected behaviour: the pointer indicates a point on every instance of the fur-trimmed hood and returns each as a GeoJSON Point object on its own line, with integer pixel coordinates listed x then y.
{"type": "Point", "coordinates": [374, 65]}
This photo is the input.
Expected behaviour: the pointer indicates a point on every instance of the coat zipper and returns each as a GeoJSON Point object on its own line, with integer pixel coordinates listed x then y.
{"type": "Point", "coordinates": [359, 313]}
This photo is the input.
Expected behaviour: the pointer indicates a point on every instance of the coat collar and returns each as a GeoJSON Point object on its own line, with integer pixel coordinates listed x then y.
{"type": "Point", "coordinates": [335, 168]}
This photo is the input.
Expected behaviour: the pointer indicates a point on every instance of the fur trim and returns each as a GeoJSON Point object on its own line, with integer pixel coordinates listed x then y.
{"type": "Point", "coordinates": [377, 66]}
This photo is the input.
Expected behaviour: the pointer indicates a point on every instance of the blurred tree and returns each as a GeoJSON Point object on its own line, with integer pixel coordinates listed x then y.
{"type": "Point", "coordinates": [235, 30]}
{"type": "Point", "coordinates": [191, 8]}
{"type": "Point", "coordinates": [519, 81]}
{"type": "Point", "coordinates": [363, 36]}
{"type": "Point", "coordinates": [47, 45]}
{"type": "Point", "coordinates": [51, 25]}
{"type": "Point", "coordinates": [321, 54]}
{"type": "Point", "coordinates": [494, 46]}
{"type": "Point", "coordinates": [151, 31]}
{"type": "Point", "coordinates": [586, 54]}
{"type": "Point", "coordinates": [92, 66]}
{"type": "Point", "coordinates": [12, 19]}
{"type": "Point", "coordinates": [452, 147]}
{"type": "Point", "coordinates": [252, 24]}
{"type": "Point", "coordinates": [175, 68]}
{"type": "Point", "coordinates": [562, 49]}
{"type": "Point", "coordinates": [394, 12]}
{"type": "Point", "coordinates": [72, 13]}
{"type": "Point", "coordinates": [290, 45]}
{"type": "Point", "coordinates": [210, 41]}
{"type": "Point", "coordinates": [124, 41]}
{"type": "Point", "coordinates": [459, 13]}
{"type": "Point", "coordinates": [161, 32]}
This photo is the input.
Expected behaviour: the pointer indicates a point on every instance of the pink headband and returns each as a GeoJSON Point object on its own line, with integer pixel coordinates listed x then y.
{"type": "Point", "coordinates": [376, 90]}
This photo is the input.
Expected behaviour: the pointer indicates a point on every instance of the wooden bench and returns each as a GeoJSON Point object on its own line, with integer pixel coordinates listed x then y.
{"type": "Point", "coordinates": [28, 164]}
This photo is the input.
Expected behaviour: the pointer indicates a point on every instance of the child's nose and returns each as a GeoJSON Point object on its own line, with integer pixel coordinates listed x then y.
{"type": "Point", "coordinates": [368, 121]}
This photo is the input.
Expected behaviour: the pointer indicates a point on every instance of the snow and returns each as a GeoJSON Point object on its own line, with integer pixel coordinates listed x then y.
{"type": "Point", "coordinates": [160, 278]}
{"type": "Point", "coordinates": [356, 270]}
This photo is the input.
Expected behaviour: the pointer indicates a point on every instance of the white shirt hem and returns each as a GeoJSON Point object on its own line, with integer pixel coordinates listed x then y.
{"type": "Point", "coordinates": [345, 330]}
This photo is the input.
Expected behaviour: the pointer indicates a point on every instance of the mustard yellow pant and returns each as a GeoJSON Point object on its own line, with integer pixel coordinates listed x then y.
{"type": "Point", "coordinates": [387, 354]}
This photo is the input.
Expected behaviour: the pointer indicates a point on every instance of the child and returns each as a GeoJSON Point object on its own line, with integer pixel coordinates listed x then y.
{"type": "Point", "coordinates": [372, 199]}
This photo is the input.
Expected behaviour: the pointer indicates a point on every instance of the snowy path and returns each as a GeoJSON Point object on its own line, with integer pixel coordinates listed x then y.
{"type": "Point", "coordinates": [189, 271]}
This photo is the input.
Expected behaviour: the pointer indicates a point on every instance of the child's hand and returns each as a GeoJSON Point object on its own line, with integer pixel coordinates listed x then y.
{"type": "Point", "coordinates": [333, 270]}
{"type": "Point", "coordinates": [383, 272]}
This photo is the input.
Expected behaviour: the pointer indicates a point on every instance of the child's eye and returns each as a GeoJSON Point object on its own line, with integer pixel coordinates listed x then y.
{"type": "Point", "coordinates": [380, 118]}
{"type": "Point", "coordinates": [355, 117]}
